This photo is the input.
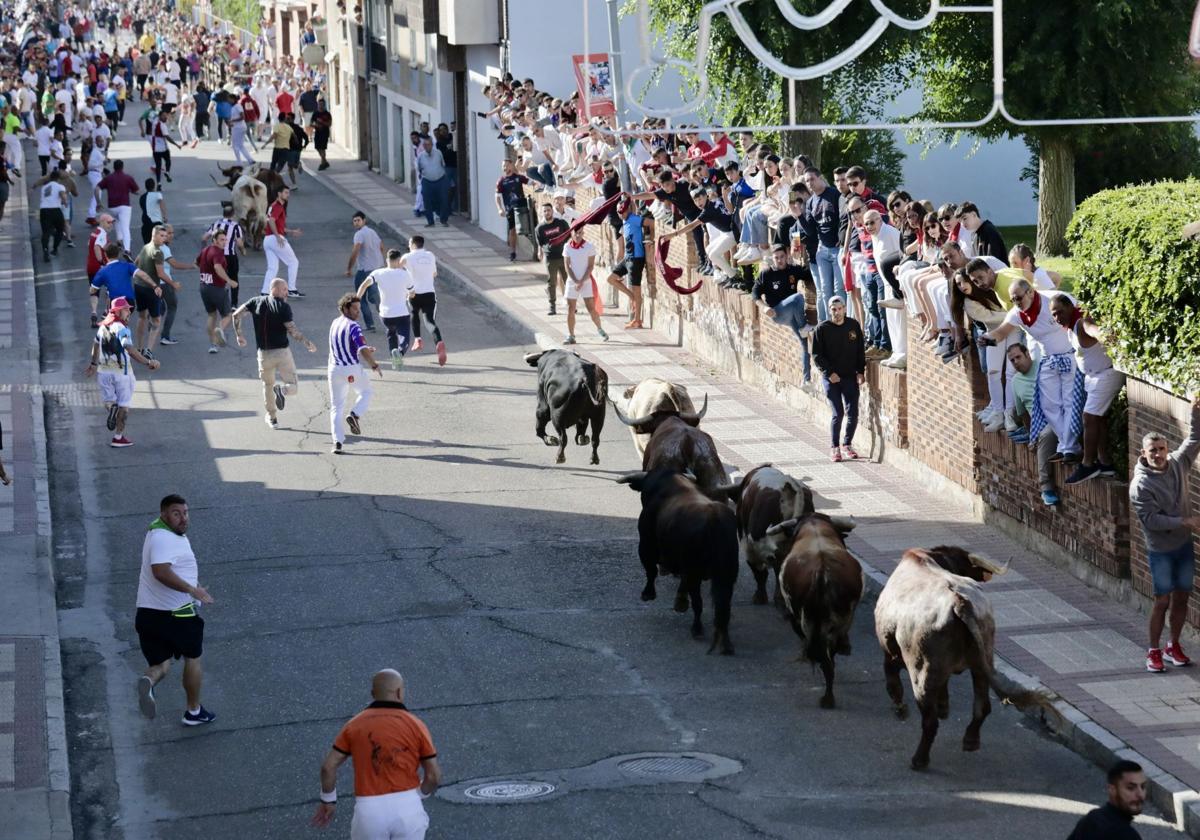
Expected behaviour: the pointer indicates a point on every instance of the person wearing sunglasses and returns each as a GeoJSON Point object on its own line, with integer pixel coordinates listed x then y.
{"type": "Point", "coordinates": [879, 235]}
{"type": "Point", "coordinates": [857, 259]}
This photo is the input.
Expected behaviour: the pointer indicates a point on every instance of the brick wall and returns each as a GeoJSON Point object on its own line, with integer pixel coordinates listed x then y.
{"type": "Point", "coordinates": [1152, 409]}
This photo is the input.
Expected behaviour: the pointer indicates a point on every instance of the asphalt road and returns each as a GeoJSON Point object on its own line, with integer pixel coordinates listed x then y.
{"type": "Point", "coordinates": [446, 544]}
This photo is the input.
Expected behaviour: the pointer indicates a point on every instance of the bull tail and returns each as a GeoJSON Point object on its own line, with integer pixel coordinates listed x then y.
{"type": "Point", "coordinates": [1024, 699]}
{"type": "Point", "coordinates": [814, 617]}
{"type": "Point", "coordinates": [597, 383]}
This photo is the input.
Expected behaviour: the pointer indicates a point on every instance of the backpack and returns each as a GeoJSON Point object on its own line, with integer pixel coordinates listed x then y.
{"type": "Point", "coordinates": [110, 345]}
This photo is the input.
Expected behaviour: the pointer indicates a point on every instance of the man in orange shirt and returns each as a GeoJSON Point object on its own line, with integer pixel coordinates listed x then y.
{"type": "Point", "coordinates": [387, 743]}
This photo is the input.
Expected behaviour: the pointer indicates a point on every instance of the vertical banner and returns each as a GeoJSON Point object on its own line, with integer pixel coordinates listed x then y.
{"type": "Point", "coordinates": [593, 79]}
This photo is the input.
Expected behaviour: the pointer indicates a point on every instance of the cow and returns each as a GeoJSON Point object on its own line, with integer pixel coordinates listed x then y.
{"type": "Point", "coordinates": [822, 584]}
{"type": "Point", "coordinates": [768, 497]}
{"type": "Point", "coordinates": [272, 180]}
{"type": "Point", "coordinates": [571, 392]}
{"type": "Point", "coordinates": [654, 395]}
{"type": "Point", "coordinates": [690, 535]}
{"type": "Point", "coordinates": [934, 619]}
{"type": "Point", "coordinates": [250, 208]}
{"type": "Point", "coordinates": [676, 443]}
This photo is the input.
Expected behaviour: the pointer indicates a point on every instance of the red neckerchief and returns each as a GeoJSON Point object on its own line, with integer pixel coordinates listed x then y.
{"type": "Point", "coordinates": [110, 319]}
{"type": "Point", "coordinates": [1076, 317]}
{"type": "Point", "coordinates": [578, 245]}
{"type": "Point", "coordinates": [1028, 316]}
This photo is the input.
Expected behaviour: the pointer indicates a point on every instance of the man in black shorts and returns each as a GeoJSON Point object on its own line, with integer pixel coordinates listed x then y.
{"type": "Point", "coordinates": [167, 623]}
{"type": "Point", "coordinates": [633, 234]}
{"type": "Point", "coordinates": [148, 282]}
{"type": "Point", "coordinates": [510, 199]}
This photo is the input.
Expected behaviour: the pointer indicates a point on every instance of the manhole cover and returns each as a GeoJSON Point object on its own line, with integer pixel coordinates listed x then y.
{"type": "Point", "coordinates": [661, 767]}
{"type": "Point", "coordinates": [508, 791]}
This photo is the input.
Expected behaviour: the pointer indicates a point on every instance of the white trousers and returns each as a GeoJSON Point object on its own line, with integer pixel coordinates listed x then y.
{"type": "Point", "coordinates": [122, 226]}
{"type": "Point", "coordinates": [897, 322]}
{"type": "Point", "coordinates": [906, 275]}
{"type": "Point", "coordinates": [939, 291]}
{"type": "Point", "coordinates": [93, 176]}
{"type": "Point", "coordinates": [1057, 390]}
{"type": "Point", "coordinates": [390, 816]}
{"type": "Point", "coordinates": [341, 380]}
{"type": "Point", "coordinates": [999, 397]}
{"type": "Point", "coordinates": [238, 141]}
{"type": "Point", "coordinates": [718, 253]}
{"type": "Point", "coordinates": [14, 154]}
{"type": "Point", "coordinates": [278, 250]}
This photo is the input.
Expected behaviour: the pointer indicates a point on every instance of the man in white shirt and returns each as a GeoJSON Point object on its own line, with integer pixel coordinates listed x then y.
{"type": "Point", "coordinates": [580, 256]}
{"type": "Point", "coordinates": [66, 98]}
{"type": "Point", "coordinates": [885, 245]}
{"type": "Point", "coordinates": [422, 266]}
{"type": "Point", "coordinates": [167, 623]}
{"type": "Point", "coordinates": [562, 210]}
{"type": "Point", "coordinates": [392, 285]}
{"type": "Point", "coordinates": [43, 137]}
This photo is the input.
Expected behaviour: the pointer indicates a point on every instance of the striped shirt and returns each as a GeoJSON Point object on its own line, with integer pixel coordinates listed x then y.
{"type": "Point", "coordinates": [233, 232]}
{"type": "Point", "coordinates": [345, 342]}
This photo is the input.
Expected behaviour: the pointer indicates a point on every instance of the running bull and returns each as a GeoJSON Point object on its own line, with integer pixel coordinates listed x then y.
{"type": "Point", "coordinates": [822, 584]}
{"type": "Point", "coordinates": [571, 392]}
{"type": "Point", "coordinates": [692, 536]}
{"type": "Point", "coordinates": [651, 396]}
{"type": "Point", "coordinates": [768, 497]}
{"type": "Point", "coordinates": [934, 619]}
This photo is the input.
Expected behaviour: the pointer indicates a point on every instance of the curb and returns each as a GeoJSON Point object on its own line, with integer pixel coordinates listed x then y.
{"type": "Point", "coordinates": [1078, 733]}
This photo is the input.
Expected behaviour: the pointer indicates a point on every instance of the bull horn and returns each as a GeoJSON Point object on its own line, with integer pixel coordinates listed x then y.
{"type": "Point", "coordinates": [845, 524]}
{"type": "Point", "coordinates": [989, 565]}
{"type": "Point", "coordinates": [694, 419]}
{"type": "Point", "coordinates": [641, 421]}
{"type": "Point", "coordinates": [630, 478]}
{"type": "Point", "coordinates": [531, 359]}
{"type": "Point", "coordinates": [783, 527]}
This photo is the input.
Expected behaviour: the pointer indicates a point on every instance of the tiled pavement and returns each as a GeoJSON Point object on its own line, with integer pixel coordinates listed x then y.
{"type": "Point", "coordinates": [1073, 639]}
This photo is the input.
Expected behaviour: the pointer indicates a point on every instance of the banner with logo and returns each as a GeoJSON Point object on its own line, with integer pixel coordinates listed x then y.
{"type": "Point", "coordinates": [594, 81]}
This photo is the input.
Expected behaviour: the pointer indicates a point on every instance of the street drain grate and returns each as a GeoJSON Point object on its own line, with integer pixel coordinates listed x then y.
{"type": "Point", "coordinates": [665, 767]}
{"type": "Point", "coordinates": [509, 791]}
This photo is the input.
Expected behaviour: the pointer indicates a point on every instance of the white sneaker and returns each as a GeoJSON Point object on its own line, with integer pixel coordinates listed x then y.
{"type": "Point", "coordinates": [995, 424]}
{"type": "Point", "coordinates": [740, 253]}
{"type": "Point", "coordinates": [752, 256]}
{"type": "Point", "coordinates": [212, 348]}
{"type": "Point", "coordinates": [895, 360]}
{"type": "Point", "coordinates": [985, 415]}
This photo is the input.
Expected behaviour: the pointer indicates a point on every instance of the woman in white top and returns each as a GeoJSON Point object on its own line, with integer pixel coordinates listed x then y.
{"type": "Point", "coordinates": [1021, 256]}
{"type": "Point", "coordinates": [770, 202]}
{"type": "Point", "coordinates": [984, 307]}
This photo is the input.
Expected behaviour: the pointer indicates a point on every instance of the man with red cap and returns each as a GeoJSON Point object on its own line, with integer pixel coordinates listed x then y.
{"type": "Point", "coordinates": [109, 361]}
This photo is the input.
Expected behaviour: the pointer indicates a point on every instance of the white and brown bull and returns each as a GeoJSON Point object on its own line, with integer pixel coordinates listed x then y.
{"type": "Point", "coordinates": [250, 208]}
{"type": "Point", "coordinates": [651, 396]}
{"type": "Point", "coordinates": [768, 497]}
{"type": "Point", "coordinates": [934, 619]}
{"type": "Point", "coordinates": [676, 444]}
{"type": "Point", "coordinates": [821, 584]}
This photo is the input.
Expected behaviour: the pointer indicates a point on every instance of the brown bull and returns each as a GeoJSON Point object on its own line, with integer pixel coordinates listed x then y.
{"type": "Point", "coordinates": [768, 497]}
{"type": "Point", "coordinates": [821, 584]}
{"type": "Point", "coordinates": [934, 619]}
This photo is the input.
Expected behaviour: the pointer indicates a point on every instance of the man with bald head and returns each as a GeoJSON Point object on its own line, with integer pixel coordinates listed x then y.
{"type": "Point", "coordinates": [387, 743]}
{"type": "Point", "coordinates": [273, 325]}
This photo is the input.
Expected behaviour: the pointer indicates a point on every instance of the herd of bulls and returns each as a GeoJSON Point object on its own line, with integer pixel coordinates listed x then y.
{"type": "Point", "coordinates": [932, 617]}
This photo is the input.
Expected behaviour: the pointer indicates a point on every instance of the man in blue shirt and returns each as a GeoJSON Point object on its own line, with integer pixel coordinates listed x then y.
{"type": "Point", "coordinates": [116, 276]}
{"type": "Point", "coordinates": [633, 230]}
{"type": "Point", "coordinates": [822, 218]}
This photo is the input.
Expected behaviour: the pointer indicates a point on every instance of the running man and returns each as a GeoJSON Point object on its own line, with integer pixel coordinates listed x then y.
{"type": "Point", "coordinates": [119, 186]}
{"type": "Point", "coordinates": [276, 247]}
{"type": "Point", "coordinates": [167, 623]}
{"type": "Point", "coordinates": [109, 362]}
{"type": "Point", "coordinates": [235, 245]}
{"type": "Point", "coordinates": [366, 256]}
{"type": "Point", "coordinates": [272, 327]}
{"type": "Point", "coordinates": [97, 257]}
{"type": "Point", "coordinates": [393, 285]}
{"type": "Point", "coordinates": [581, 259]}
{"type": "Point", "coordinates": [215, 284]}
{"type": "Point", "coordinates": [388, 744]}
{"type": "Point", "coordinates": [346, 348]}
{"type": "Point", "coordinates": [422, 267]}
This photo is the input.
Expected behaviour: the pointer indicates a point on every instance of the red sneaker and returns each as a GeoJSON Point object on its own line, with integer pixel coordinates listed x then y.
{"type": "Point", "coordinates": [1173, 654]}
{"type": "Point", "coordinates": [849, 453]}
{"type": "Point", "coordinates": [441, 351]}
{"type": "Point", "coordinates": [835, 454]}
{"type": "Point", "coordinates": [120, 442]}
{"type": "Point", "coordinates": [1154, 661]}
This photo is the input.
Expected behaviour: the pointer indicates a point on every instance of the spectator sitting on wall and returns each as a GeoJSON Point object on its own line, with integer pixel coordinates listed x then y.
{"type": "Point", "coordinates": [1157, 495]}
{"type": "Point", "coordinates": [1101, 381]}
{"type": "Point", "coordinates": [1024, 385]}
{"type": "Point", "coordinates": [987, 239]}
{"type": "Point", "coordinates": [780, 290]}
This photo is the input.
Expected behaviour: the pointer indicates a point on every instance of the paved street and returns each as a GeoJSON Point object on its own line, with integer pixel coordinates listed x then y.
{"type": "Point", "coordinates": [447, 544]}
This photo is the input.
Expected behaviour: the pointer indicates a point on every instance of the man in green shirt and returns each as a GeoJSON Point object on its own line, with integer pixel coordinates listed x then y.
{"type": "Point", "coordinates": [1024, 384]}
{"type": "Point", "coordinates": [146, 291]}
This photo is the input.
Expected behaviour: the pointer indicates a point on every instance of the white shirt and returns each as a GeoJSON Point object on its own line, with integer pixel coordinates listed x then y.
{"type": "Point", "coordinates": [65, 97]}
{"type": "Point", "coordinates": [51, 196]}
{"type": "Point", "coordinates": [43, 136]}
{"type": "Point", "coordinates": [172, 93]}
{"type": "Point", "coordinates": [56, 149]}
{"type": "Point", "coordinates": [104, 131]}
{"type": "Point", "coordinates": [578, 258]}
{"type": "Point", "coordinates": [1045, 330]}
{"type": "Point", "coordinates": [30, 77]}
{"type": "Point", "coordinates": [393, 284]}
{"type": "Point", "coordinates": [163, 546]}
{"type": "Point", "coordinates": [568, 215]}
{"type": "Point", "coordinates": [886, 243]}
{"type": "Point", "coordinates": [422, 266]}
{"type": "Point", "coordinates": [25, 99]}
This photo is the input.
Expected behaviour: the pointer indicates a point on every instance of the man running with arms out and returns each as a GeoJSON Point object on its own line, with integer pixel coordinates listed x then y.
{"type": "Point", "coordinates": [215, 284]}
{"type": "Point", "coordinates": [346, 346]}
{"type": "Point", "coordinates": [393, 285]}
{"type": "Point", "coordinates": [1158, 496]}
{"type": "Point", "coordinates": [276, 247]}
{"type": "Point", "coordinates": [388, 744]}
{"type": "Point", "coordinates": [272, 327]}
{"type": "Point", "coordinates": [111, 352]}
{"type": "Point", "coordinates": [422, 267]}
{"type": "Point", "coordinates": [167, 623]}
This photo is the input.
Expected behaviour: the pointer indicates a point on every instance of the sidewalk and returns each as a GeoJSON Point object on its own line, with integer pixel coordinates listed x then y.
{"type": "Point", "coordinates": [34, 780]}
{"type": "Point", "coordinates": [1052, 629]}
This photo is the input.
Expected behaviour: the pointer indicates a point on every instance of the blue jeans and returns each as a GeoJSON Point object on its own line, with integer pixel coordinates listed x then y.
{"type": "Point", "coordinates": [372, 296]}
{"type": "Point", "coordinates": [843, 399]}
{"type": "Point", "coordinates": [544, 174]}
{"type": "Point", "coordinates": [436, 195]}
{"type": "Point", "coordinates": [872, 292]}
{"type": "Point", "coordinates": [828, 277]}
{"type": "Point", "coordinates": [1172, 571]}
{"type": "Point", "coordinates": [790, 313]}
{"type": "Point", "coordinates": [754, 227]}
{"type": "Point", "coordinates": [452, 186]}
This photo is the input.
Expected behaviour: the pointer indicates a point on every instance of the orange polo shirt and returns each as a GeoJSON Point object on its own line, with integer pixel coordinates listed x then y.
{"type": "Point", "coordinates": [387, 743]}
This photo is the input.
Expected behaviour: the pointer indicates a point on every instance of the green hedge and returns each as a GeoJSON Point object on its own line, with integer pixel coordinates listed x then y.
{"type": "Point", "coordinates": [1140, 279]}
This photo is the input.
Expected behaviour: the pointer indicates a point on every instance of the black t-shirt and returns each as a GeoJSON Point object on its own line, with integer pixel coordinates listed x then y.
{"type": "Point", "coordinates": [775, 284]}
{"type": "Point", "coordinates": [299, 138]}
{"type": "Point", "coordinates": [308, 101]}
{"type": "Point", "coordinates": [682, 199]}
{"type": "Point", "coordinates": [509, 187]}
{"type": "Point", "coordinates": [271, 315]}
{"type": "Point", "coordinates": [449, 156]}
{"type": "Point", "coordinates": [547, 231]}
{"type": "Point", "coordinates": [715, 216]}
{"type": "Point", "coordinates": [1105, 823]}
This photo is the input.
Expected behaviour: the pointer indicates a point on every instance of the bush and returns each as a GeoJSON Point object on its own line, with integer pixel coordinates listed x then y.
{"type": "Point", "coordinates": [1140, 279]}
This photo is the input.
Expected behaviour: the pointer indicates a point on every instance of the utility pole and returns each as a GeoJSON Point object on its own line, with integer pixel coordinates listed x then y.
{"type": "Point", "coordinates": [618, 84]}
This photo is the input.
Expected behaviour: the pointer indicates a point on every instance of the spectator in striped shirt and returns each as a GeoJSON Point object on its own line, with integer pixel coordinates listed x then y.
{"type": "Point", "coordinates": [235, 244]}
{"type": "Point", "coordinates": [347, 349]}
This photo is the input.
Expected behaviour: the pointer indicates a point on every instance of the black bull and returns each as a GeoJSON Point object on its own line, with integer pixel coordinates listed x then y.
{"type": "Point", "coordinates": [571, 392]}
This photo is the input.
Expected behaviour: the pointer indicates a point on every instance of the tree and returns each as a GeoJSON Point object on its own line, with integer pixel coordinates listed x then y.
{"type": "Point", "coordinates": [749, 93]}
{"type": "Point", "coordinates": [1070, 58]}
